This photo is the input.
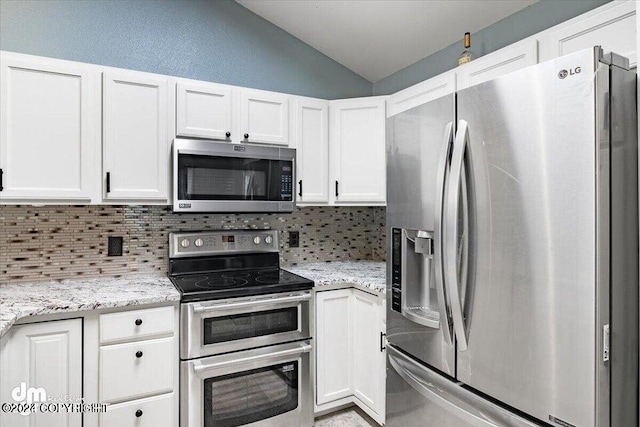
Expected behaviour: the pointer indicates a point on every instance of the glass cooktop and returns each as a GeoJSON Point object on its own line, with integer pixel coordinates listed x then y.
{"type": "Point", "coordinates": [228, 284]}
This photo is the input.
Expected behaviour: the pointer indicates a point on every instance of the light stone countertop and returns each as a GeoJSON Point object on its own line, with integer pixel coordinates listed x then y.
{"type": "Point", "coordinates": [366, 275]}
{"type": "Point", "coordinates": [21, 300]}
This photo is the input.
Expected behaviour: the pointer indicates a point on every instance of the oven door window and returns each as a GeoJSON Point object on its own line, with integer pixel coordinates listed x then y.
{"type": "Point", "coordinates": [251, 396]}
{"type": "Point", "coordinates": [250, 325]}
{"type": "Point", "coordinates": [233, 178]}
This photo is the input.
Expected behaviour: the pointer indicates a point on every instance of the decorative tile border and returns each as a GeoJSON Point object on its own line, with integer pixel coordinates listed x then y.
{"type": "Point", "coordinates": [62, 242]}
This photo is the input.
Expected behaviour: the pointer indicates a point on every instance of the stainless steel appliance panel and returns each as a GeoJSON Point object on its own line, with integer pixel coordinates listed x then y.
{"type": "Point", "coordinates": [418, 396]}
{"type": "Point", "coordinates": [198, 319]}
{"type": "Point", "coordinates": [238, 371]}
{"type": "Point", "coordinates": [418, 144]}
{"type": "Point", "coordinates": [530, 319]}
{"type": "Point", "coordinates": [624, 247]}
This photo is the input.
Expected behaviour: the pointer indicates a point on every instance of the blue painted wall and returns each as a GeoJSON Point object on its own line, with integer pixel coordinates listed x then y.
{"type": "Point", "coordinates": [535, 18]}
{"type": "Point", "coordinates": [218, 41]}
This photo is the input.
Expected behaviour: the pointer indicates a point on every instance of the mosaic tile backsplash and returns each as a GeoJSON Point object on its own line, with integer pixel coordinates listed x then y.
{"type": "Point", "coordinates": [62, 242]}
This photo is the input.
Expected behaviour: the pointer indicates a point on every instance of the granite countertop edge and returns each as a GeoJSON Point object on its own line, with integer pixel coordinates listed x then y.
{"type": "Point", "coordinates": [23, 300]}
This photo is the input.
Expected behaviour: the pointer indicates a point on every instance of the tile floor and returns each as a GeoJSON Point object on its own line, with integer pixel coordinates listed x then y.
{"type": "Point", "coordinates": [349, 417]}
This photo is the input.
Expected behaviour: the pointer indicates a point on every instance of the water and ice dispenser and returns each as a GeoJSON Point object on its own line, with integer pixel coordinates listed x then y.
{"type": "Point", "coordinates": [413, 282]}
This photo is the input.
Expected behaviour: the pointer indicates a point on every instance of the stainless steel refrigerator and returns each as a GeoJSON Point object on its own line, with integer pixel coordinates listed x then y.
{"type": "Point", "coordinates": [512, 221]}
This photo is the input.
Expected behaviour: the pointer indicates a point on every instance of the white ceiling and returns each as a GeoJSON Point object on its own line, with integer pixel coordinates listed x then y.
{"type": "Point", "coordinates": [376, 38]}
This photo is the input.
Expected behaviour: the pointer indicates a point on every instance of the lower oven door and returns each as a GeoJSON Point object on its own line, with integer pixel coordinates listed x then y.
{"type": "Point", "coordinates": [222, 326]}
{"type": "Point", "coordinates": [269, 386]}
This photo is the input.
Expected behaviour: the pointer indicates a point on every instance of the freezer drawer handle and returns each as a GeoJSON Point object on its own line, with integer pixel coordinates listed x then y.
{"type": "Point", "coordinates": [252, 303]}
{"type": "Point", "coordinates": [302, 348]}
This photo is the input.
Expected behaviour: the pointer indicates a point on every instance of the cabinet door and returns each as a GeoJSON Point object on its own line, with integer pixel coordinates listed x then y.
{"type": "Point", "coordinates": [49, 135]}
{"type": "Point", "coordinates": [614, 28]}
{"type": "Point", "coordinates": [264, 117]}
{"type": "Point", "coordinates": [312, 145]}
{"type": "Point", "coordinates": [422, 92]}
{"type": "Point", "coordinates": [203, 110]}
{"type": "Point", "coordinates": [45, 356]}
{"type": "Point", "coordinates": [333, 345]}
{"type": "Point", "coordinates": [498, 63]}
{"type": "Point", "coordinates": [136, 136]}
{"type": "Point", "coordinates": [368, 351]}
{"type": "Point", "coordinates": [358, 151]}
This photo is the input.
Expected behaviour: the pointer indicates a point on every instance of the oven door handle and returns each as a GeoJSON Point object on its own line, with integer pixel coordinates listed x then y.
{"type": "Point", "coordinates": [198, 367]}
{"type": "Point", "coordinates": [251, 303]}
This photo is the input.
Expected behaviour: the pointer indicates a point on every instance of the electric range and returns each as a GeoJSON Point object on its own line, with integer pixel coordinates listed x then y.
{"type": "Point", "coordinates": [243, 321]}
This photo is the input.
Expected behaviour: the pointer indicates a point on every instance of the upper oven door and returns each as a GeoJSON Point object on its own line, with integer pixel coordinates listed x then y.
{"type": "Point", "coordinates": [216, 327]}
{"type": "Point", "coordinates": [221, 177]}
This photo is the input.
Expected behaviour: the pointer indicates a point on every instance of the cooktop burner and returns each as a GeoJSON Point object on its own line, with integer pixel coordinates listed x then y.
{"type": "Point", "coordinates": [210, 265]}
{"type": "Point", "coordinates": [216, 285]}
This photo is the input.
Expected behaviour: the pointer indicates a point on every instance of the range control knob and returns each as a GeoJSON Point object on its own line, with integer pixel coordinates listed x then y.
{"type": "Point", "coordinates": [256, 240]}
{"type": "Point", "coordinates": [184, 243]}
{"type": "Point", "coordinates": [268, 240]}
{"type": "Point", "coordinates": [199, 242]}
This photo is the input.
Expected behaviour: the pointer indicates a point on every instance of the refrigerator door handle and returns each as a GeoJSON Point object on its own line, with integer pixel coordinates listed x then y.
{"type": "Point", "coordinates": [445, 318]}
{"type": "Point", "coordinates": [451, 233]}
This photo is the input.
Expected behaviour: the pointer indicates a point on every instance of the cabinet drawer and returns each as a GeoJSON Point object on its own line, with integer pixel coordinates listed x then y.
{"type": "Point", "coordinates": [135, 370]}
{"type": "Point", "coordinates": [131, 325]}
{"type": "Point", "coordinates": [154, 411]}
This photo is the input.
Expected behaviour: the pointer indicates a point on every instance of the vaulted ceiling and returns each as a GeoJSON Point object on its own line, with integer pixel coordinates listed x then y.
{"type": "Point", "coordinates": [376, 38]}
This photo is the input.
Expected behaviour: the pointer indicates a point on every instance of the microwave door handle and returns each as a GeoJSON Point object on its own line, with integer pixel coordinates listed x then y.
{"type": "Point", "coordinates": [451, 232]}
{"type": "Point", "coordinates": [199, 366]}
{"type": "Point", "coordinates": [438, 258]}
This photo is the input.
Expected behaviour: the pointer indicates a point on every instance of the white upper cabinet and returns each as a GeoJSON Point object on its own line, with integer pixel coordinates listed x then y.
{"type": "Point", "coordinates": [422, 92]}
{"type": "Point", "coordinates": [358, 170]}
{"type": "Point", "coordinates": [312, 150]}
{"type": "Point", "coordinates": [48, 356]}
{"type": "Point", "coordinates": [49, 139]}
{"type": "Point", "coordinates": [511, 58]}
{"type": "Point", "coordinates": [612, 26]}
{"type": "Point", "coordinates": [136, 139]}
{"type": "Point", "coordinates": [203, 110]}
{"type": "Point", "coordinates": [264, 117]}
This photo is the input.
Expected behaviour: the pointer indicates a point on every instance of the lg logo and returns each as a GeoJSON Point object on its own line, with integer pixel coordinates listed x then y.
{"type": "Point", "coordinates": [563, 74]}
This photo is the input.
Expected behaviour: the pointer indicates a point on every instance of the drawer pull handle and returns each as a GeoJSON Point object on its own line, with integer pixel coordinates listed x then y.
{"type": "Point", "coordinates": [138, 322]}
{"type": "Point", "coordinates": [138, 413]}
{"type": "Point", "coordinates": [138, 354]}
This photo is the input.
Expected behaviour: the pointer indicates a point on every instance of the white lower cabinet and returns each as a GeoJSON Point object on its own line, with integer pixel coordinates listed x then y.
{"type": "Point", "coordinates": [150, 412]}
{"type": "Point", "coordinates": [41, 358]}
{"type": "Point", "coordinates": [350, 355]}
{"type": "Point", "coordinates": [138, 367]}
{"type": "Point", "coordinates": [334, 345]}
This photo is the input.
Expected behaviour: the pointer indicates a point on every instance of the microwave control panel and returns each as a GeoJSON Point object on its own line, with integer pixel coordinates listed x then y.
{"type": "Point", "coordinates": [286, 182]}
{"type": "Point", "coordinates": [396, 269]}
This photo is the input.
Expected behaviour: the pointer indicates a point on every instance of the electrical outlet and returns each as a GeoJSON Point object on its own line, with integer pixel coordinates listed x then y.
{"type": "Point", "coordinates": [114, 247]}
{"type": "Point", "coordinates": [294, 239]}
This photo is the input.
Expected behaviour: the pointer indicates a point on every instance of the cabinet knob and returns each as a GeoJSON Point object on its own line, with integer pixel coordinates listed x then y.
{"type": "Point", "coordinates": [246, 136]}
{"type": "Point", "coordinates": [138, 322]}
{"type": "Point", "coordinates": [228, 134]}
{"type": "Point", "coordinates": [139, 413]}
{"type": "Point", "coordinates": [138, 354]}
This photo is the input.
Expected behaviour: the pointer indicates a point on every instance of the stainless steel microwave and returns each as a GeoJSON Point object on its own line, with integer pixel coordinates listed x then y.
{"type": "Point", "coordinates": [222, 177]}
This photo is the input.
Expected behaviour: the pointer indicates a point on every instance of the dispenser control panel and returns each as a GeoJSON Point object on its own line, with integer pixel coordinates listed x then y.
{"type": "Point", "coordinates": [396, 269]}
